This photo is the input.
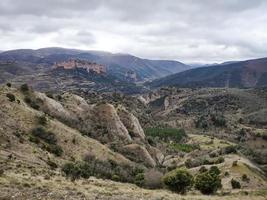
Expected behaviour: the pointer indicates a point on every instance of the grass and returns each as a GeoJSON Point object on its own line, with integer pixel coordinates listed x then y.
{"type": "Point", "coordinates": [183, 147]}
{"type": "Point", "coordinates": [207, 142]}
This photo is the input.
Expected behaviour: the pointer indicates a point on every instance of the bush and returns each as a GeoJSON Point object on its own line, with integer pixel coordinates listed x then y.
{"type": "Point", "coordinates": [52, 164]}
{"type": "Point", "coordinates": [24, 88]}
{"type": "Point", "coordinates": [11, 97]}
{"type": "Point", "coordinates": [102, 169]}
{"type": "Point", "coordinates": [226, 173]}
{"type": "Point", "coordinates": [1, 172]}
{"type": "Point", "coordinates": [218, 120]}
{"type": "Point", "coordinates": [207, 183]}
{"type": "Point", "coordinates": [234, 163]}
{"type": "Point", "coordinates": [139, 179]}
{"type": "Point", "coordinates": [8, 84]}
{"type": "Point", "coordinates": [214, 170]}
{"type": "Point", "coordinates": [115, 177]}
{"type": "Point", "coordinates": [235, 184]}
{"type": "Point", "coordinates": [71, 170]}
{"type": "Point", "coordinates": [42, 120]}
{"type": "Point", "coordinates": [41, 133]}
{"type": "Point", "coordinates": [178, 180]}
{"type": "Point", "coordinates": [31, 103]}
{"type": "Point", "coordinates": [153, 179]}
{"type": "Point", "coordinates": [55, 149]}
{"type": "Point", "coordinates": [245, 178]}
{"type": "Point", "coordinates": [230, 149]}
{"type": "Point", "coordinates": [202, 169]}
{"type": "Point", "coordinates": [219, 160]}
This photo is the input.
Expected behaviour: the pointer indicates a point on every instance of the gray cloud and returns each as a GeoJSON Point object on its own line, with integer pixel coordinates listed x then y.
{"type": "Point", "coordinates": [185, 30]}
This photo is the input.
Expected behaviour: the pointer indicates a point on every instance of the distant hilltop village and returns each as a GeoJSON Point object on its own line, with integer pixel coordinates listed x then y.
{"type": "Point", "coordinates": [76, 63]}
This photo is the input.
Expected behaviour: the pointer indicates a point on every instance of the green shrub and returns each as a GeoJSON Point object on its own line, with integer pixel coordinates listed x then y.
{"type": "Point", "coordinates": [218, 120]}
{"type": "Point", "coordinates": [245, 178]}
{"type": "Point", "coordinates": [34, 139]}
{"type": "Point", "coordinates": [52, 164]}
{"type": "Point", "coordinates": [235, 184]}
{"type": "Point", "coordinates": [41, 133]}
{"type": "Point", "coordinates": [8, 84]}
{"type": "Point", "coordinates": [11, 97]}
{"type": "Point", "coordinates": [24, 88]}
{"type": "Point", "coordinates": [115, 177]}
{"type": "Point", "coordinates": [207, 183]}
{"type": "Point", "coordinates": [242, 132]}
{"type": "Point", "coordinates": [71, 170]}
{"type": "Point", "coordinates": [230, 149]}
{"type": "Point", "coordinates": [55, 149]}
{"type": "Point", "coordinates": [178, 180]}
{"type": "Point", "coordinates": [31, 103]}
{"type": "Point", "coordinates": [139, 179]}
{"type": "Point", "coordinates": [214, 170]}
{"type": "Point", "coordinates": [102, 169]}
{"type": "Point", "coordinates": [49, 141]}
{"type": "Point", "coordinates": [234, 164]}
{"type": "Point", "coordinates": [42, 120]}
{"type": "Point", "coordinates": [2, 172]}
{"type": "Point", "coordinates": [219, 160]}
{"type": "Point", "coordinates": [202, 169]}
{"type": "Point", "coordinates": [226, 173]}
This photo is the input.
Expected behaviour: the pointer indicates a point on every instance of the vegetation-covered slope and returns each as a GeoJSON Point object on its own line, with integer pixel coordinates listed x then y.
{"type": "Point", "coordinates": [251, 73]}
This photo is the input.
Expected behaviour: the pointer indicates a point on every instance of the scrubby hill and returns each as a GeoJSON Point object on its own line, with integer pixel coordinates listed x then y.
{"type": "Point", "coordinates": [237, 115]}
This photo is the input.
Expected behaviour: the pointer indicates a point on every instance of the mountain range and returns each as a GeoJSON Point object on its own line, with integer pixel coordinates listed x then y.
{"type": "Point", "coordinates": [116, 64]}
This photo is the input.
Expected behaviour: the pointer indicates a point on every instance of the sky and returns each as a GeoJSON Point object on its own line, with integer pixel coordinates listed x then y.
{"type": "Point", "coordinates": [190, 31]}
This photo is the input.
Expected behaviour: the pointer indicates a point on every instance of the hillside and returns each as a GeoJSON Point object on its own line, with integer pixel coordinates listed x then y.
{"type": "Point", "coordinates": [53, 142]}
{"type": "Point", "coordinates": [236, 115]}
{"type": "Point", "coordinates": [251, 73]}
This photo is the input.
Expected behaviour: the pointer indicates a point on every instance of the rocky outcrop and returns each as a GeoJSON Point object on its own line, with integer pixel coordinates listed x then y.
{"type": "Point", "coordinates": [107, 116]}
{"type": "Point", "coordinates": [53, 107]}
{"type": "Point", "coordinates": [156, 154]}
{"type": "Point", "coordinates": [139, 153]}
{"type": "Point", "coordinates": [76, 63]}
{"type": "Point", "coordinates": [132, 124]}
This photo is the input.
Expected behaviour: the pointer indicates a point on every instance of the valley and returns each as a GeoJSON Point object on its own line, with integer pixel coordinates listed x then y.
{"type": "Point", "coordinates": [133, 100]}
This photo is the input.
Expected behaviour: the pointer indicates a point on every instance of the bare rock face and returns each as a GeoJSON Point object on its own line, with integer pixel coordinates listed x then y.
{"type": "Point", "coordinates": [166, 102]}
{"type": "Point", "coordinates": [131, 123]}
{"type": "Point", "coordinates": [107, 115]}
{"type": "Point", "coordinates": [76, 63]}
{"type": "Point", "coordinates": [139, 152]}
{"type": "Point", "coordinates": [156, 154]}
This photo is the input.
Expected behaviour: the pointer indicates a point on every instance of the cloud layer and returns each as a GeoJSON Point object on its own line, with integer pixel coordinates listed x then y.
{"type": "Point", "coordinates": [185, 30]}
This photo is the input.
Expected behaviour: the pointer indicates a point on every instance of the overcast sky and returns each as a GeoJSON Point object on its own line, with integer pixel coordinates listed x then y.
{"type": "Point", "coordinates": [184, 30]}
